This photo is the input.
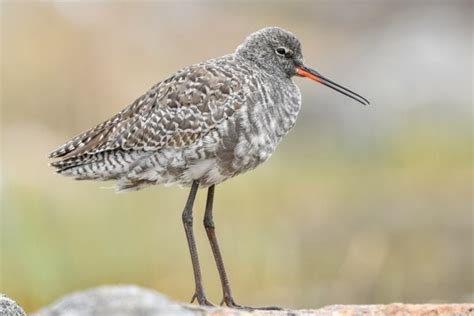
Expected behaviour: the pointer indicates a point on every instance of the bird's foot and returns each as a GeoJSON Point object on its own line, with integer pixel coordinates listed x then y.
{"type": "Point", "coordinates": [202, 300]}
{"type": "Point", "coordinates": [229, 302]}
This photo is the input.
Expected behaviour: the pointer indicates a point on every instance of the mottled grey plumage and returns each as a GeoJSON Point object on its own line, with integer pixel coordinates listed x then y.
{"type": "Point", "coordinates": [203, 125]}
{"type": "Point", "coordinates": [207, 122]}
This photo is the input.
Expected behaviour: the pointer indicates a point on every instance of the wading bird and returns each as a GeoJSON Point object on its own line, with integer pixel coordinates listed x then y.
{"type": "Point", "coordinates": [205, 124]}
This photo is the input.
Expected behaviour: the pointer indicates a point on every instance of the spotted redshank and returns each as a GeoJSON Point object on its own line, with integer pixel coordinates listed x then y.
{"type": "Point", "coordinates": [203, 125]}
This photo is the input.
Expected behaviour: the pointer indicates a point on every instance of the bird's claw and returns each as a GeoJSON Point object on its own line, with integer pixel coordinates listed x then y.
{"type": "Point", "coordinates": [229, 302]}
{"type": "Point", "coordinates": [202, 300]}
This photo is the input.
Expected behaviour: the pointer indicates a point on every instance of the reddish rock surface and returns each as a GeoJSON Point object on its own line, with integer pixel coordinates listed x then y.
{"type": "Point", "coordinates": [396, 309]}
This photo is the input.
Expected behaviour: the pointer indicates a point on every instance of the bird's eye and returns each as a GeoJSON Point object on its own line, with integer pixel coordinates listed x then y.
{"type": "Point", "coordinates": [282, 51]}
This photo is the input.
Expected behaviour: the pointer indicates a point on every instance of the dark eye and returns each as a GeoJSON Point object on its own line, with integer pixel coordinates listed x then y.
{"type": "Point", "coordinates": [282, 51]}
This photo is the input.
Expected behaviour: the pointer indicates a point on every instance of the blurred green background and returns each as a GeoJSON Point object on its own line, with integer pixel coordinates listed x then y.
{"type": "Point", "coordinates": [358, 205]}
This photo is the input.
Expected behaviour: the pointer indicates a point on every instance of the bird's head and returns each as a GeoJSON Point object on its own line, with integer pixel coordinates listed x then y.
{"type": "Point", "coordinates": [278, 52]}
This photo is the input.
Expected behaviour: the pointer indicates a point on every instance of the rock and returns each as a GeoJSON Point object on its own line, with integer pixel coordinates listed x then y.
{"type": "Point", "coordinates": [395, 309]}
{"type": "Point", "coordinates": [398, 309]}
{"type": "Point", "coordinates": [131, 300]}
{"type": "Point", "coordinates": [115, 301]}
{"type": "Point", "coordinates": [9, 307]}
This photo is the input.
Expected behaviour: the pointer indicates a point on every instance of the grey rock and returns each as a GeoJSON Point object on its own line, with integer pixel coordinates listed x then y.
{"type": "Point", "coordinates": [129, 300]}
{"type": "Point", "coordinates": [115, 301]}
{"type": "Point", "coordinates": [9, 307]}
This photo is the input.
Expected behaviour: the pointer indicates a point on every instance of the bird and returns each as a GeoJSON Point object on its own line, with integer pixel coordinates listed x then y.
{"type": "Point", "coordinates": [203, 125]}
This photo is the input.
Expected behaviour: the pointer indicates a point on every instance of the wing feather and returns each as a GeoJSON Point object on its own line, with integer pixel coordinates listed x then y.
{"type": "Point", "coordinates": [175, 112]}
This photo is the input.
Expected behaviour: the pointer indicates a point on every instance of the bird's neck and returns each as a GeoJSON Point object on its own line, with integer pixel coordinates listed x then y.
{"type": "Point", "coordinates": [257, 63]}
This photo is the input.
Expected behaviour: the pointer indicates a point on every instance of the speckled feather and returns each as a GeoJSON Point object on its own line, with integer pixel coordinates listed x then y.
{"type": "Point", "coordinates": [207, 122]}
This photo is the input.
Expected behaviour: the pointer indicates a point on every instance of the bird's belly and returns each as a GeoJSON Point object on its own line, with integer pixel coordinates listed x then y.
{"type": "Point", "coordinates": [228, 159]}
{"type": "Point", "coordinates": [235, 147]}
{"type": "Point", "coordinates": [175, 166]}
{"type": "Point", "coordinates": [212, 162]}
{"type": "Point", "coordinates": [251, 151]}
{"type": "Point", "coordinates": [206, 171]}
{"type": "Point", "coordinates": [178, 166]}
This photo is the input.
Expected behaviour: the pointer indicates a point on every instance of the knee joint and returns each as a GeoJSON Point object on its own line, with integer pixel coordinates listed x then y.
{"type": "Point", "coordinates": [187, 218]}
{"type": "Point", "coordinates": [208, 222]}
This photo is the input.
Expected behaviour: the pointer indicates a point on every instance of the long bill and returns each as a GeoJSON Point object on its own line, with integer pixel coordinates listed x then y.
{"type": "Point", "coordinates": [312, 74]}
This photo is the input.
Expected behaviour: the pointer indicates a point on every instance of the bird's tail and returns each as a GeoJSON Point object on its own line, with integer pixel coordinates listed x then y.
{"type": "Point", "coordinates": [105, 165]}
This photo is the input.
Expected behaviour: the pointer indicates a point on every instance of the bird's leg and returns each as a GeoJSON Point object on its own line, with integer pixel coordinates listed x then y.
{"type": "Point", "coordinates": [188, 228]}
{"type": "Point", "coordinates": [211, 234]}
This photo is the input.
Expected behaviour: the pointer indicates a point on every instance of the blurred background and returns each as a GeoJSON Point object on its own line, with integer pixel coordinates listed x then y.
{"type": "Point", "coordinates": [358, 205]}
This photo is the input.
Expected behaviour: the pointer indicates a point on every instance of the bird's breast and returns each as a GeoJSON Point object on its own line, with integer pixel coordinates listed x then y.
{"type": "Point", "coordinates": [252, 135]}
{"type": "Point", "coordinates": [275, 109]}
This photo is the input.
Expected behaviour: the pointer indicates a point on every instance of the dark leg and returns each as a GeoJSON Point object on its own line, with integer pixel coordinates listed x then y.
{"type": "Point", "coordinates": [188, 228]}
{"type": "Point", "coordinates": [211, 234]}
